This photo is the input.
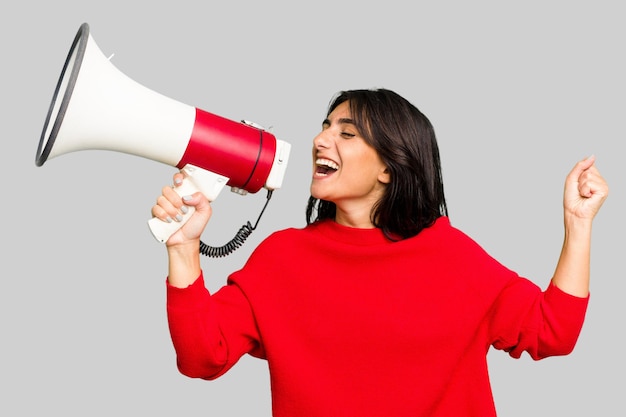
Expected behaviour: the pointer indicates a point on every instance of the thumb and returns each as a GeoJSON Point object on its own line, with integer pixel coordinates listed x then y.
{"type": "Point", "coordinates": [197, 200]}
{"type": "Point", "coordinates": [581, 167]}
{"type": "Point", "coordinates": [203, 209]}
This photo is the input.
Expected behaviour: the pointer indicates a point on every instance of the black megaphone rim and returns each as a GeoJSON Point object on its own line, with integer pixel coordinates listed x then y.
{"type": "Point", "coordinates": [79, 45]}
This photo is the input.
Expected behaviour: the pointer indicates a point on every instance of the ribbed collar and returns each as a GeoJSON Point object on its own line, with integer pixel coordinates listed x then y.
{"type": "Point", "coordinates": [361, 237]}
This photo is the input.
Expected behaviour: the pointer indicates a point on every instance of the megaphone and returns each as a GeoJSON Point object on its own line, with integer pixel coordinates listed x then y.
{"type": "Point", "coordinates": [96, 106]}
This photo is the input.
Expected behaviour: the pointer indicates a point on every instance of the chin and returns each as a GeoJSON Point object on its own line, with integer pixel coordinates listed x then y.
{"type": "Point", "coordinates": [316, 194]}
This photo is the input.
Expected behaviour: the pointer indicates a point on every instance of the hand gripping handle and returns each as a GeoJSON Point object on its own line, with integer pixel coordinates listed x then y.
{"type": "Point", "coordinates": [196, 179]}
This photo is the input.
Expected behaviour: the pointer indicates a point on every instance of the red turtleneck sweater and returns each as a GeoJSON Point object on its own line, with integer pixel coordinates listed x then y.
{"type": "Point", "coordinates": [352, 324]}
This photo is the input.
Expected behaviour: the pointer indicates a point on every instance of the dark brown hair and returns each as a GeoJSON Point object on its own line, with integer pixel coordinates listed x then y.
{"type": "Point", "coordinates": [405, 141]}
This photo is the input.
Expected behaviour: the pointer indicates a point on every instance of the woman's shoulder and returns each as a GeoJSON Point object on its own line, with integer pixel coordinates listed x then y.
{"type": "Point", "coordinates": [282, 237]}
{"type": "Point", "coordinates": [443, 229]}
{"type": "Point", "coordinates": [443, 234]}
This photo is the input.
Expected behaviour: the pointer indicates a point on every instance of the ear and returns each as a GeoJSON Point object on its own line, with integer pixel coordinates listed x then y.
{"type": "Point", "coordinates": [384, 176]}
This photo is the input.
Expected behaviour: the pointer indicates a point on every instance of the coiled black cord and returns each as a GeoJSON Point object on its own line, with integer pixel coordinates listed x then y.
{"type": "Point", "coordinates": [236, 242]}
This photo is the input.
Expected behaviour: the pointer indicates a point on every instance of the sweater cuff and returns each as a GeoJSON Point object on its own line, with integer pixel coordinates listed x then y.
{"type": "Point", "coordinates": [568, 302]}
{"type": "Point", "coordinates": [188, 298]}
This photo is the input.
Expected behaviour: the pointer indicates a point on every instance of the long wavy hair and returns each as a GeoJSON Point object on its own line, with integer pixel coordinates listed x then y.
{"type": "Point", "coordinates": [405, 141]}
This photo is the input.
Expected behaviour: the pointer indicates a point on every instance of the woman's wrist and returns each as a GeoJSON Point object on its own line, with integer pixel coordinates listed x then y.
{"type": "Point", "coordinates": [184, 264]}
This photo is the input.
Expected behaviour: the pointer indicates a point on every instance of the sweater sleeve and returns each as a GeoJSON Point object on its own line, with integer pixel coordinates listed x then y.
{"type": "Point", "coordinates": [210, 333]}
{"type": "Point", "coordinates": [542, 323]}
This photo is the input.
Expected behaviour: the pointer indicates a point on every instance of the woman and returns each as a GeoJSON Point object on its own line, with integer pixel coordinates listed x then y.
{"type": "Point", "coordinates": [378, 307]}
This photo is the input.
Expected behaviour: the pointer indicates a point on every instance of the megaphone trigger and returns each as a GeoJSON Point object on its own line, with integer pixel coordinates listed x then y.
{"type": "Point", "coordinates": [196, 179]}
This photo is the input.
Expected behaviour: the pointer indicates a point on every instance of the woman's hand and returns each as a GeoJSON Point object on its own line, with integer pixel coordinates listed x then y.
{"type": "Point", "coordinates": [585, 191]}
{"type": "Point", "coordinates": [183, 246]}
{"type": "Point", "coordinates": [171, 206]}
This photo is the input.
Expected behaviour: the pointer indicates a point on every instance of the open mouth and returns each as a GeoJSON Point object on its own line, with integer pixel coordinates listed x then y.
{"type": "Point", "coordinates": [325, 167]}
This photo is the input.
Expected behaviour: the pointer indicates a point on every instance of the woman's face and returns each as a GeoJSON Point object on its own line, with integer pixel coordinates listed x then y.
{"type": "Point", "coordinates": [346, 170]}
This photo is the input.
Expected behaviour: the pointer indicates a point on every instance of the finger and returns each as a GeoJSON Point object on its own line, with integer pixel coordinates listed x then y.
{"type": "Point", "coordinates": [178, 178]}
{"type": "Point", "coordinates": [161, 214]}
{"type": "Point", "coordinates": [169, 206]}
{"type": "Point", "coordinates": [165, 210]}
{"type": "Point", "coordinates": [172, 196]}
{"type": "Point", "coordinates": [592, 184]}
{"type": "Point", "coordinates": [581, 167]}
{"type": "Point", "coordinates": [586, 188]}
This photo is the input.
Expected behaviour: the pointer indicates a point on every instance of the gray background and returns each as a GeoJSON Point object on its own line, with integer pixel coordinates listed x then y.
{"type": "Point", "coordinates": [517, 91]}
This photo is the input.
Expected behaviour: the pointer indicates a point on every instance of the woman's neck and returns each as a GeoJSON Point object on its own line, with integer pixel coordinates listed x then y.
{"type": "Point", "coordinates": [356, 217]}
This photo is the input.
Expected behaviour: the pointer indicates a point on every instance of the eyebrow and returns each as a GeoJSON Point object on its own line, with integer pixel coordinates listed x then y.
{"type": "Point", "coordinates": [343, 120]}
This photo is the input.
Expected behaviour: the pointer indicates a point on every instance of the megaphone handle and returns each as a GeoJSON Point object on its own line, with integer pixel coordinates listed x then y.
{"type": "Point", "coordinates": [196, 179]}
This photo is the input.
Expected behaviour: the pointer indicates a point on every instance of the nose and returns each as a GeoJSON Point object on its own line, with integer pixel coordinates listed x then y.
{"type": "Point", "coordinates": [321, 141]}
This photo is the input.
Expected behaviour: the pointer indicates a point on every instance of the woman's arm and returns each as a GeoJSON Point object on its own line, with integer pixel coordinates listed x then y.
{"type": "Point", "coordinates": [585, 191]}
{"type": "Point", "coordinates": [210, 332]}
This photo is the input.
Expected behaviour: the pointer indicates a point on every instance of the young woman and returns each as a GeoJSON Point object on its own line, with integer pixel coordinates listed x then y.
{"type": "Point", "coordinates": [379, 306]}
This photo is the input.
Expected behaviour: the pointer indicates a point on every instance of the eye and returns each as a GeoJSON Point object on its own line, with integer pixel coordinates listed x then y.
{"type": "Point", "coordinates": [347, 135]}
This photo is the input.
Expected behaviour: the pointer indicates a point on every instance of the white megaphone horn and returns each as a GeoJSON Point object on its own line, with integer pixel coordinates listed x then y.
{"type": "Point", "coordinates": [95, 106]}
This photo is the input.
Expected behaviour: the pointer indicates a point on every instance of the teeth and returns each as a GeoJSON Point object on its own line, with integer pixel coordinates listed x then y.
{"type": "Point", "coordinates": [328, 163]}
